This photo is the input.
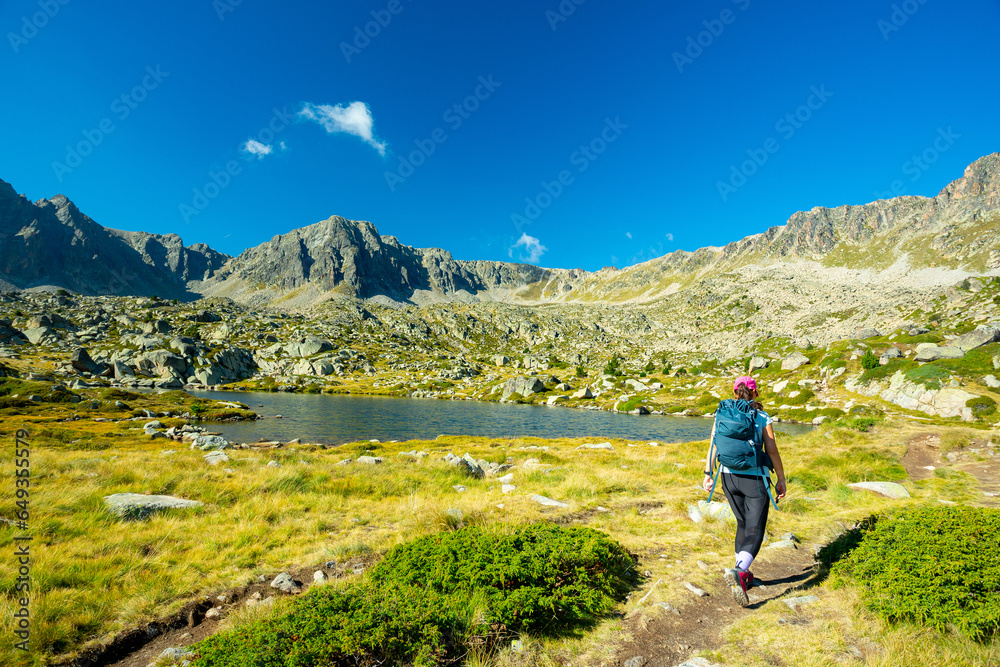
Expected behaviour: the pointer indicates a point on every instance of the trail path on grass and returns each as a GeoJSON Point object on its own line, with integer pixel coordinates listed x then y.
{"type": "Point", "coordinates": [979, 458]}
{"type": "Point", "coordinates": [140, 647]}
{"type": "Point", "coordinates": [659, 637]}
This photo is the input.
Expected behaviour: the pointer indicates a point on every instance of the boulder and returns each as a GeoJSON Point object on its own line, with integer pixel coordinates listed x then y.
{"type": "Point", "coordinates": [163, 364]}
{"type": "Point", "coordinates": [38, 335]}
{"type": "Point", "coordinates": [795, 602]}
{"type": "Point", "coordinates": [155, 327]}
{"type": "Point", "coordinates": [308, 346]}
{"type": "Point", "coordinates": [793, 361]}
{"type": "Point", "coordinates": [284, 582]}
{"type": "Point", "coordinates": [122, 371]}
{"type": "Point", "coordinates": [206, 316]}
{"type": "Point", "coordinates": [523, 386]}
{"type": "Point", "coordinates": [370, 460]}
{"type": "Point", "coordinates": [600, 445]}
{"type": "Point", "coordinates": [184, 346]}
{"type": "Point", "coordinates": [992, 382]}
{"type": "Point", "coordinates": [216, 457]}
{"type": "Point", "coordinates": [138, 506]}
{"type": "Point", "coordinates": [466, 464]}
{"type": "Point", "coordinates": [501, 360]}
{"type": "Point", "coordinates": [209, 442]}
{"type": "Point", "coordinates": [11, 336]}
{"type": "Point", "coordinates": [636, 385]}
{"type": "Point", "coordinates": [862, 334]}
{"type": "Point", "coordinates": [891, 353]}
{"type": "Point", "coordinates": [984, 334]}
{"type": "Point", "coordinates": [887, 489]}
{"type": "Point", "coordinates": [209, 376]}
{"type": "Point", "coordinates": [53, 320]}
{"type": "Point", "coordinates": [779, 386]}
{"type": "Point", "coordinates": [758, 363]}
{"type": "Point", "coordinates": [536, 363]}
{"type": "Point", "coordinates": [82, 363]}
{"type": "Point", "coordinates": [547, 502]}
{"type": "Point", "coordinates": [932, 352]}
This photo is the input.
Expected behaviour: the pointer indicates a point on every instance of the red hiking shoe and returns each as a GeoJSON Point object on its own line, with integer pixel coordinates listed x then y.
{"type": "Point", "coordinates": [740, 582]}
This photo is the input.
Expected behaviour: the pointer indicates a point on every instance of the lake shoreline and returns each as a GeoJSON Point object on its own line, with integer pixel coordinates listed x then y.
{"type": "Point", "coordinates": [342, 418]}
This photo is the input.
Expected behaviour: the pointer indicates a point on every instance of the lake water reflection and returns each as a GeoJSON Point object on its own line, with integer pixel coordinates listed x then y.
{"type": "Point", "coordinates": [336, 419]}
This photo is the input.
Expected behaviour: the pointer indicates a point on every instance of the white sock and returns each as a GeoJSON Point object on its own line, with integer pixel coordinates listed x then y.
{"type": "Point", "coordinates": [743, 560]}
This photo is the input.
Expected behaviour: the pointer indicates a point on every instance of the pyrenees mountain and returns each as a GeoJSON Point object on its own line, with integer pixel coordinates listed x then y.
{"type": "Point", "coordinates": [896, 251]}
{"type": "Point", "coordinates": [52, 243]}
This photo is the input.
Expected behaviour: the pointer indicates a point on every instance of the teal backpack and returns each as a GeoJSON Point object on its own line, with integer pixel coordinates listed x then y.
{"type": "Point", "coordinates": [737, 446]}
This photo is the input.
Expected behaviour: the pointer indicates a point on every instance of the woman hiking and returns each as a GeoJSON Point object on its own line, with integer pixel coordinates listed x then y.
{"type": "Point", "coordinates": [751, 454]}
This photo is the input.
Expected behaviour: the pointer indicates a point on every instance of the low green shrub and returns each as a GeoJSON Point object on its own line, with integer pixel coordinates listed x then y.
{"type": "Point", "coordinates": [536, 577]}
{"type": "Point", "coordinates": [982, 406]}
{"type": "Point", "coordinates": [930, 375]}
{"type": "Point", "coordinates": [10, 402]}
{"type": "Point", "coordinates": [228, 414]}
{"type": "Point", "coordinates": [431, 599]}
{"type": "Point", "coordinates": [803, 397]}
{"type": "Point", "coordinates": [832, 363]}
{"type": "Point", "coordinates": [869, 361]}
{"type": "Point", "coordinates": [881, 372]}
{"type": "Point", "coordinates": [935, 566]}
{"type": "Point", "coordinates": [858, 423]}
{"type": "Point", "coordinates": [119, 395]}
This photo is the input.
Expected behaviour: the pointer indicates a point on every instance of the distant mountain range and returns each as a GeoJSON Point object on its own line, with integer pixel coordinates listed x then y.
{"type": "Point", "coordinates": [50, 242]}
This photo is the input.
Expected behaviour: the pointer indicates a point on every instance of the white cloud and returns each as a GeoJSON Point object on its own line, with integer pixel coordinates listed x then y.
{"type": "Point", "coordinates": [354, 118]}
{"type": "Point", "coordinates": [254, 147]}
{"type": "Point", "coordinates": [670, 237]}
{"type": "Point", "coordinates": [532, 247]}
{"type": "Point", "coordinates": [628, 234]}
{"type": "Point", "coordinates": [283, 146]}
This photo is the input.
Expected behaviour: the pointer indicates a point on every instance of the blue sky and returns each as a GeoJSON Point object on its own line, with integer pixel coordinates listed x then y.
{"type": "Point", "coordinates": [570, 135]}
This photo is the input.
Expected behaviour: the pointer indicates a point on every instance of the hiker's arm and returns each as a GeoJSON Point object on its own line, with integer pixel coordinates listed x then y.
{"type": "Point", "coordinates": [706, 482]}
{"type": "Point", "coordinates": [771, 447]}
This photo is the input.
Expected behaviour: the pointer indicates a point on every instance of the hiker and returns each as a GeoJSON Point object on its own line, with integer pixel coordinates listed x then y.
{"type": "Point", "coordinates": [740, 423]}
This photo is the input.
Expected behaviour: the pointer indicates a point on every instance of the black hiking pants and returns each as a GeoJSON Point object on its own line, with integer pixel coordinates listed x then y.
{"type": "Point", "coordinates": [747, 496]}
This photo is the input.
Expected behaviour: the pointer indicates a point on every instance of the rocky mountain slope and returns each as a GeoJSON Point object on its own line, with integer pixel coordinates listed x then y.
{"type": "Point", "coordinates": [896, 243]}
{"type": "Point", "coordinates": [350, 258]}
{"type": "Point", "coordinates": [820, 277]}
{"type": "Point", "coordinates": [50, 242]}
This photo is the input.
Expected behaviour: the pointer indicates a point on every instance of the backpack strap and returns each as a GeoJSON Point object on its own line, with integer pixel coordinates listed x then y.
{"type": "Point", "coordinates": [718, 471]}
{"type": "Point", "coordinates": [767, 487]}
{"type": "Point", "coordinates": [765, 476]}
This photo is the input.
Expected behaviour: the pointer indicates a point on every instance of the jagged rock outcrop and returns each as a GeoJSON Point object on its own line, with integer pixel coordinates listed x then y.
{"type": "Point", "coordinates": [351, 258]}
{"type": "Point", "coordinates": [50, 242]}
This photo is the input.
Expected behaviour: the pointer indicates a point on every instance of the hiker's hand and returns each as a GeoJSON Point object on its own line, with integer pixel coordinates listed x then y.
{"type": "Point", "coordinates": [780, 489]}
{"type": "Point", "coordinates": [707, 484]}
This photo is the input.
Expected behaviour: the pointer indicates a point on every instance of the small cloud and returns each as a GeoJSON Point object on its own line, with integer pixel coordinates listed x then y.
{"type": "Point", "coordinates": [532, 247]}
{"type": "Point", "coordinates": [628, 234]}
{"type": "Point", "coordinates": [670, 237]}
{"type": "Point", "coordinates": [283, 146]}
{"type": "Point", "coordinates": [254, 147]}
{"type": "Point", "coordinates": [354, 118]}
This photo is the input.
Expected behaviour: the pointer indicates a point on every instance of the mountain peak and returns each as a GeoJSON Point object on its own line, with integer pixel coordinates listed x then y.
{"type": "Point", "coordinates": [982, 177]}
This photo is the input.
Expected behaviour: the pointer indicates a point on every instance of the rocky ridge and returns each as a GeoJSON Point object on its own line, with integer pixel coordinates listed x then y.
{"type": "Point", "coordinates": [52, 243]}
